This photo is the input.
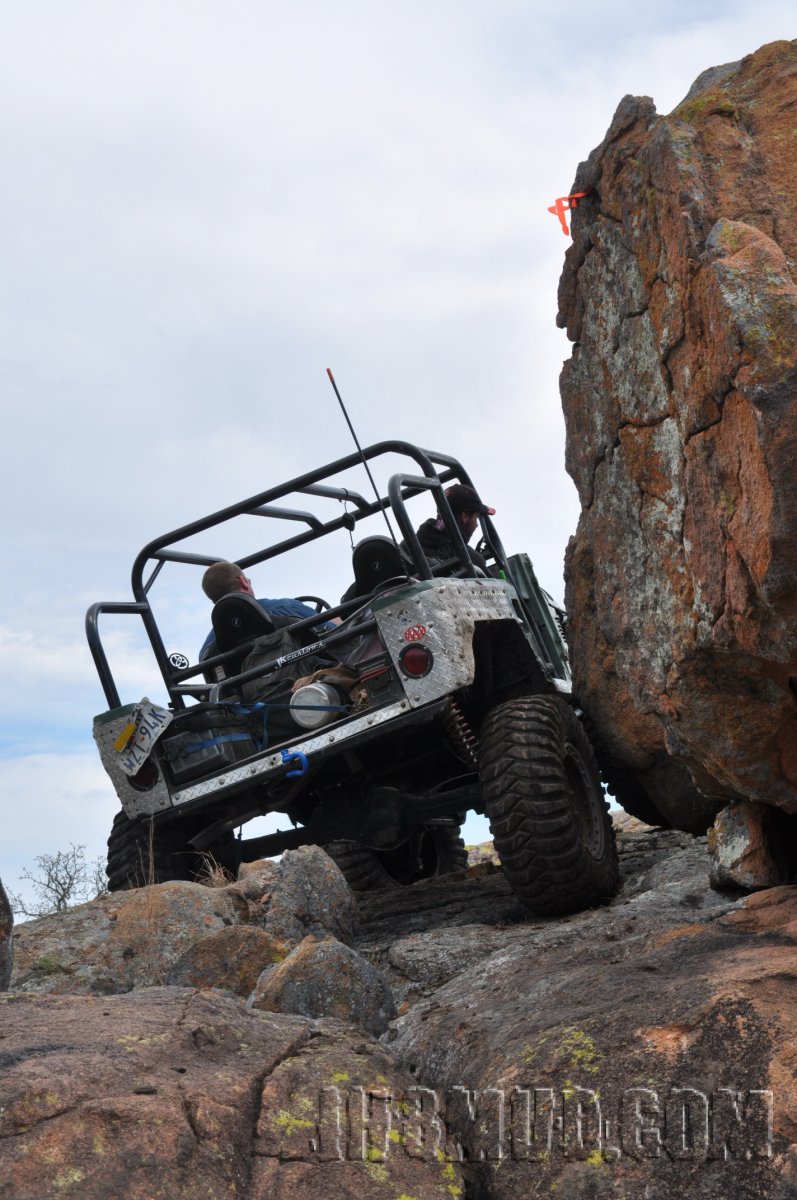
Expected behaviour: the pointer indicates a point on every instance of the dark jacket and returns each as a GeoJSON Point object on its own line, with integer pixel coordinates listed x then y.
{"type": "Point", "coordinates": [438, 547]}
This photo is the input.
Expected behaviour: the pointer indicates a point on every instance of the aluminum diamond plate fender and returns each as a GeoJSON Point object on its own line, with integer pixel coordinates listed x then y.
{"type": "Point", "coordinates": [135, 801]}
{"type": "Point", "coordinates": [447, 610]}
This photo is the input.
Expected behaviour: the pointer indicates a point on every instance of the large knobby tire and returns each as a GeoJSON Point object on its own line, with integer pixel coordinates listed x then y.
{"type": "Point", "coordinates": [438, 850]}
{"type": "Point", "coordinates": [140, 853]}
{"type": "Point", "coordinates": [547, 812]}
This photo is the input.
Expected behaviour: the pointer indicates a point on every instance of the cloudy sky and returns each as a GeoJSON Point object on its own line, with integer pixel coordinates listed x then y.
{"type": "Point", "coordinates": [204, 205]}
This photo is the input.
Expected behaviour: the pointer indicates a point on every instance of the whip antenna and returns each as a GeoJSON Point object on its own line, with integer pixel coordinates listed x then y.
{"type": "Point", "coordinates": [362, 456]}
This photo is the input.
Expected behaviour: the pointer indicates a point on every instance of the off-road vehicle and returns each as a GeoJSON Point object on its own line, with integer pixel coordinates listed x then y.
{"type": "Point", "coordinates": [443, 688]}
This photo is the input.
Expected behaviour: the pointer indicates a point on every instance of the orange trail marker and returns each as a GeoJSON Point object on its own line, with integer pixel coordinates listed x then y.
{"type": "Point", "coordinates": [564, 204]}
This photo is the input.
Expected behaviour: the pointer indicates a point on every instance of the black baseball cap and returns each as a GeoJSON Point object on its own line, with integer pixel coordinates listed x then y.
{"type": "Point", "coordinates": [463, 498]}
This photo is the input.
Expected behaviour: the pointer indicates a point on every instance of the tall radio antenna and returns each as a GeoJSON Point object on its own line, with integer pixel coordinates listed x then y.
{"type": "Point", "coordinates": [362, 456]}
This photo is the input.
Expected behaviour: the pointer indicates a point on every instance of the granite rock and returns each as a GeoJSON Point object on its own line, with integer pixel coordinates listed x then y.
{"type": "Point", "coordinates": [680, 400]}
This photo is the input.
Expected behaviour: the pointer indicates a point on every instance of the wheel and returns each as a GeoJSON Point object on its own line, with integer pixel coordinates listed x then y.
{"type": "Point", "coordinates": [140, 853]}
{"type": "Point", "coordinates": [543, 797]}
{"type": "Point", "coordinates": [435, 850]}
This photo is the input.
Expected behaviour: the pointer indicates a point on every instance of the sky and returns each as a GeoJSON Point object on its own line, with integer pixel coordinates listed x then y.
{"type": "Point", "coordinates": [204, 206]}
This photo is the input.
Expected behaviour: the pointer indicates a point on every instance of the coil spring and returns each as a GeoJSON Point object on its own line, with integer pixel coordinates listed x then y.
{"type": "Point", "coordinates": [464, 741]}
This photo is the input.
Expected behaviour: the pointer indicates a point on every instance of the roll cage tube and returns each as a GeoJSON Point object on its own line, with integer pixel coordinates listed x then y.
{"type": "Point", "coordinates": [159, 549]}
{"type": "Point", "coordinates": [414, 484]}
{"type": "Point", "coordinates": [436, 469]}
{"type": "Point", "coordinates": [394, 488]}
{"type": "Point", "coordinates": [95, 644]}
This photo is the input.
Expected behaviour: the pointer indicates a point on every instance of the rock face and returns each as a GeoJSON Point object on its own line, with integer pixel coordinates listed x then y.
{"type": "Point", "coordinates": [173, 1094]}
{"type": "Point", "coordinates": [6, 944]}
{"type": "Point", "coordinates": [680, 400]}
{"type": "Point", "coordinates": [633, 1055]}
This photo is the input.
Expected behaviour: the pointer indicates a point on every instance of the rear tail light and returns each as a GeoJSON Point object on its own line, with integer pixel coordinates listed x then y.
{"type": "Point", "coordinates": [416, 661]}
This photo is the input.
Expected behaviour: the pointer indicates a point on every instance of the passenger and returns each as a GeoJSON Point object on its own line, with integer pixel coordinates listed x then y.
{"type": "Point", "coordinates": [225, 577]}
{"type": "Point", "coordinates": [434, 537]}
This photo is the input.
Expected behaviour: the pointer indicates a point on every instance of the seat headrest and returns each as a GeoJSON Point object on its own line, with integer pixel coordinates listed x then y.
{"type": "Point", "coordinates": [237, 618]}
{"type": "Point", "coordinates": [377, 561]}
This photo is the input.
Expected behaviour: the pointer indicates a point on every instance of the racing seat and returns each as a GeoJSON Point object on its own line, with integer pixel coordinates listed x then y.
{"type": "Point", "coordinates": [377, 563]}
{"type": "Point", "coordinates": [237, 618]}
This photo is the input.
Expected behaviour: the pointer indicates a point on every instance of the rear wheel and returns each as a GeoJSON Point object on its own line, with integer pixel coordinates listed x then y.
{"type": "Point", "coordinates": [547, 812]}
{"type": "Point", "coordinates": [141, 852]}
{"type": "Point", "coordinates": [434, 850]}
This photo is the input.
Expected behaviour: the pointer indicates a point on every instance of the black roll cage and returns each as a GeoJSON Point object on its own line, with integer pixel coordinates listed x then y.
{"type": "Point", "coordinates": [401, 487]}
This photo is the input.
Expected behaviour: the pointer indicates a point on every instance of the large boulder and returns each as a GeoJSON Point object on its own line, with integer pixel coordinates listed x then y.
{"type": "Point", "coordinates": [120, 941]}
{"type": "Point", "coordinates": [164, 933]}
{"type": "Point", "coordinates": [233, 959]}
{"type": "Point", "coordinates": [310, 896]}
{"type": "Point", "coordinates": [327, 979]}
{"type": "Point", "coordinates": [680, 400]}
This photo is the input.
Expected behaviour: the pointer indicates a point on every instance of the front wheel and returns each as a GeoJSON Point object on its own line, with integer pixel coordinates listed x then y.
{"type": "Point", "coordinates": [142, 853]}
{"type": "Point", "coordinates": [434, 850]}
{"type": "Point", "coordinates": [543, 797]}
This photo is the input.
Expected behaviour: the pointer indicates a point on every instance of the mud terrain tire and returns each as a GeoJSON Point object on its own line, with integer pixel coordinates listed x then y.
{"type": "Point", "coordinates": [140, 853]}
{"type": "Point", "coordinates": [547, 812]}
{"type": "Point", "coordinates": [441, 852]}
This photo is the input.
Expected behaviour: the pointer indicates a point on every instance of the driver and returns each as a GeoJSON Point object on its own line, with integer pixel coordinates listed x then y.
{"type": "Point", "coordinates": [225, 577]}
{"type": "Point", "coordinates": [434, 537]}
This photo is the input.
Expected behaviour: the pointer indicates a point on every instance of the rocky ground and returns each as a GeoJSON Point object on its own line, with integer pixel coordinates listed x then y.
{"type": "Point", "coordinates": [279, 1037]}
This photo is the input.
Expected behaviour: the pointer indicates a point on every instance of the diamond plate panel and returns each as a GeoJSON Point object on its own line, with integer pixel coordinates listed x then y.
{"type": "Point", "coordinates": [260, 770]}
{"type": "Point", "coordinates": [449, 610]}
{"type": "Point", "coordinates": [107, 728]}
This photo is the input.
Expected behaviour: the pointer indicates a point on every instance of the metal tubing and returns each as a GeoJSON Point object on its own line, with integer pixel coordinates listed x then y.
{"type": "Point", "coordinates": [95, 645]}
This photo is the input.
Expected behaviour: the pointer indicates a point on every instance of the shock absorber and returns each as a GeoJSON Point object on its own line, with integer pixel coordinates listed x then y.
{"type": "Point", "coordinates": [463, 740]}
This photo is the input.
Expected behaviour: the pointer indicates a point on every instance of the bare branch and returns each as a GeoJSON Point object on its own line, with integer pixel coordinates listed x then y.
{"type": "Point", "coordinates": [59, 881]}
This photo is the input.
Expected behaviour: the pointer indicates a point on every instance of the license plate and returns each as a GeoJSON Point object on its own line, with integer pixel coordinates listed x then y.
{"type": "Point", "coordinates": [146, 724]}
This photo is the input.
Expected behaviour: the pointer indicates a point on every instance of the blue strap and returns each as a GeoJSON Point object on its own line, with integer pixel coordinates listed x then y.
{"type": "Point", "coordinates": [217, 741]}
{"type": "Point", "coordinates": [315, 707]}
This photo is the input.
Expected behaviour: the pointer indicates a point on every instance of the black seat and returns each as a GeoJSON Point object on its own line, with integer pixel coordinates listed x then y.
{"type": "Point", "coordinates": [239, 617]}
{"type": "Point", "coordinates": [377, 562]}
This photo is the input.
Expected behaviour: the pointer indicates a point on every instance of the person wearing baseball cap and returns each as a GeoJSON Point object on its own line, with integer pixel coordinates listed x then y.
{"type": "Point", "coordinates": [463, 498]}
{"type": "Point", "coordinates": [467, 507]}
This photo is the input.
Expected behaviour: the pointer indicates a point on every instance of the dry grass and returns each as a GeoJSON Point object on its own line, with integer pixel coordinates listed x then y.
{"type": "Point", "coordinates": [212, 874]}
{"type": "Point", "coordinates": [145, 874]}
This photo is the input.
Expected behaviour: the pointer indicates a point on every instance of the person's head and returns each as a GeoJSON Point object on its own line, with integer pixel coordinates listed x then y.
{"type": "Point", "coordinates": [467, 507]}
{"type": "Point", "coordinates": [223, 578]}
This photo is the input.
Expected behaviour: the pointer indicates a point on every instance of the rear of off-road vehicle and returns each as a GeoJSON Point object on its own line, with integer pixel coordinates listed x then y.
{"type": "Point", "coordinates": [373, 725]}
